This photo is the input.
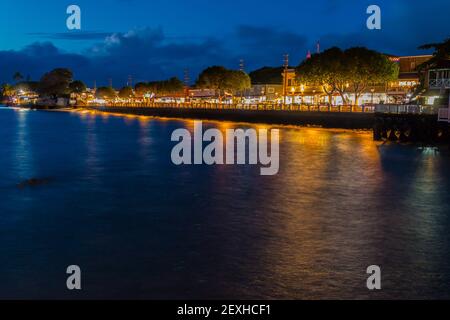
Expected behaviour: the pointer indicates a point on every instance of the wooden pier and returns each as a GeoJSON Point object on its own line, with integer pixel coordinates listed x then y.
{"type": "Point", "coordinates": [411, 123]}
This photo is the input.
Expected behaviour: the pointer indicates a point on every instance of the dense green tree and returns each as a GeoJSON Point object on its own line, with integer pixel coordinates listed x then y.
{"type": "Point", "coordinates": [105, 93]}
{"type": "Point", "coordinates": [77, 86]}
{"type": "Point", "coordinates": [324, 69]}
{"type": "Point", "coordinates": [267, 75]}
{"type": "Point", "coordinates": [170, 86]}
{"type": "Point", "coordinates": [126, 92]}
{"type": "Point", "coordinates": [141, 88]}
{"type": "Point", "coordinates": [237, 81]}
{"type": "Point", "coordinates": [213, 78]}
{"type": "Point", "coordinates": [55, 83]}
{"type": "Point", "coordinates": [346, 71]}
{"type": "Point", "coordinates": [364, 67]}
{"type": "Point", "coordinates": [222, 79]}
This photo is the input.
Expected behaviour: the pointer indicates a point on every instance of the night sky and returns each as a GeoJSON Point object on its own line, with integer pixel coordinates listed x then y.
{"type": "Point", "coordinates": [156, 39]}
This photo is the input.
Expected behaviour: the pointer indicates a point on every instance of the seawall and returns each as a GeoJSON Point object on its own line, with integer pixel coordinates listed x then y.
{"type": "Point", "coordinates": [342, 120]}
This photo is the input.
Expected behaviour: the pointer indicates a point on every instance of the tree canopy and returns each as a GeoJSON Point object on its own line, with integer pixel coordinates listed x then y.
{"type": "Point", "coordinates": [212, 78]}
{"type": "Point", "coordinates": [267, 75]}
{"type": "Point", "coordinates": [324, 69]}
{"type": "Point", "coordinates": [105, 93]}
{"type": "Point", "coordinates": [55, 82]}
{"type": "Point", "coordinates": [172, 85]}
{"type": "Point", "coordinates": [346, 71]}
{"type": "Point", "coordinates": [220, 78]}
{"type": "Point", "coordinates": [77, 86]}
{"type": "Point", "coordinates": [237, 81]}
{"type": "Point", "coordinates": [126, 92]}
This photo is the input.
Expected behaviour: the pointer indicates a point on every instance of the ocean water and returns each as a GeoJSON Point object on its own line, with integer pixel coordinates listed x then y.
{"type": "Point", "coordinates": [140, 227]}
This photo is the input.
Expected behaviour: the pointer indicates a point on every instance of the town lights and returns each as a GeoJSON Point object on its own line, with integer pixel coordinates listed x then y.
{"type": "Point", "coordinates": [409, 95]}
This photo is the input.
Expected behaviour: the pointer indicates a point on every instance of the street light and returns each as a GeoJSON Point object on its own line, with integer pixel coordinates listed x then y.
{"type": "Point", "coordinates": [302, 90]}
{"type": "Point", "coordinates": [293, 93]}
{"type": "Point", "coordinates": [372, 90]}
{"type": "Point", "coordinates": [409, 95]}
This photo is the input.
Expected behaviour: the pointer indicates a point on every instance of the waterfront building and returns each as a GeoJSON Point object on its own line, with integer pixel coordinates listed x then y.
{"type": "Point", "coordinates": [83, 98]}
{"type": "Point", "coordinates": [23, 97]}
{"type": "Point", "coordinates": [263, 93]}
{"type": "Point", "coordinates": [436, 88]}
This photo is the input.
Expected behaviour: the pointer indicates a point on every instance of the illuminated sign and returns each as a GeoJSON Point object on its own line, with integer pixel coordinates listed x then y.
{"type": "Point", "coordinates": [407, 83]}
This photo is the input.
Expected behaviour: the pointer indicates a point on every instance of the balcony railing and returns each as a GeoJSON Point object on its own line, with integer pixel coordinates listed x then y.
{"type": "Point", "coordinates": [439, 83]}
{"type": "Point", "coordinates": [405, 108]}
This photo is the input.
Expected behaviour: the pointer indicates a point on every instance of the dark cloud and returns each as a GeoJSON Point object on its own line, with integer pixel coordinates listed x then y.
{"type": "Point", "coordinates": [145, 54]}
{"type": "Point", "coordinates": [405, 25]}
{"type": "Point", "coordinates": [75, 35]}
{"type": "Point", "coordinates": [148, 54]}
{"type": "Point", "coordinates": [266, 46]}
{"type": "Point", "coordinates": [36, 59]}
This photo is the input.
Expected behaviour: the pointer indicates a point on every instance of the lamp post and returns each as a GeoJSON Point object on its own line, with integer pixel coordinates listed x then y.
{"type": "Point", "coordinates": [372, 90]}
{"type": "Point", "coordinates": [409, 95]}
{"type": "Point", "coordinates": [293, 93]}
{"type": "Point", "coordinates": [302, 90]}
{"type": "Point", "coordinates": [314, 97]}
{"type": "Point", "coordinates": [286, 64]}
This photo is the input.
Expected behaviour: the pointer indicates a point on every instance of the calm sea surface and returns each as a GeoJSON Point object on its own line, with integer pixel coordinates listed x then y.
{"type": "Point", "coordinates": [140, 227]}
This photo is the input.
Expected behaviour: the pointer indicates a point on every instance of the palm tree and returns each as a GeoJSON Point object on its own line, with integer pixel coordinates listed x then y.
{"type": "Point", "coordinates": [441, 53]}
{"type": "Point", "coordinates": [17, 76]}
{"type": "Point", "coordinates": [7, 90]}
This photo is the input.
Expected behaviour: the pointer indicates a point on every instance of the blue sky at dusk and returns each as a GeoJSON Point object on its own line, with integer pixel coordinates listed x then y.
{"type": "Point", "coordinates": [157, 39]}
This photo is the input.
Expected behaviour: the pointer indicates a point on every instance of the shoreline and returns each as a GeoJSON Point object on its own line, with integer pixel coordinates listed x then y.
{"type": "Point", "coordinates": [327, 120]}
{"type": "Point", "coordinates": [284, 126]}
{"type": "Point", "coordinates": [96, 110]}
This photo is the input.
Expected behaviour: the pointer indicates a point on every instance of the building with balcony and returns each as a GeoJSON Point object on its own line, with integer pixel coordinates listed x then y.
{"type": "Point", "coordinates": [439, 76]}
{"type": "Point", "coordinates": [436, 86]}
